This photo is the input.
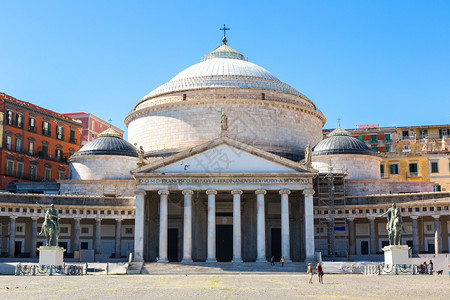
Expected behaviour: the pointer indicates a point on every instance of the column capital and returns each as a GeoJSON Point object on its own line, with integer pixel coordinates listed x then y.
{"type": "Point", "coordinates": [308, 192]}
{"type": "Point", "coordinates": [284, 192]}
{"type": "Point", "coordinates": [13, 217]}
{"type": "Point", "coordinates": [436, 216]}
{"type": "Point", "coordinates": [414, 217]}
{"type": "Point", "coordinates": [236, 192]}
{"type": "Point", "coordinates": [260, 192]}
{"type": "Point", "coordinates": [119, 220]}
{"type": "Point", "coordinates": [371, 218]}
{"type": "Point", "coordinates": [34, 218]}
{"type": "Point", "coordinates": [98, 220]}
{"type": "Point", "coordinates": [351, 219]}
{"type": "Point", "coordinates": [211, 192]}
{"type": "Point", "coordinates": [187, 192]}
{"type": "Point", "coordinates": [163, 192]}
{"type": "Point", "coordinates": [140, 192]}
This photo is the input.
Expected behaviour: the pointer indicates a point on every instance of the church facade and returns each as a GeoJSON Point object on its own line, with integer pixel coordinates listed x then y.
{"type": "Point", "coordinates": [215, 170]}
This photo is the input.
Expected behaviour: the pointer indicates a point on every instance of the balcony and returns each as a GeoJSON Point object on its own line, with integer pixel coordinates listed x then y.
{"type": "Point", "coordinates": [413, 174]}
{"type": "Point", "coordinates": [388, 141]}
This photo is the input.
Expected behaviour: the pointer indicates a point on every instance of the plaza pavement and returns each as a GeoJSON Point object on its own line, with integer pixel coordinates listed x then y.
{"type": "Point", "coordinates": [225, 286]}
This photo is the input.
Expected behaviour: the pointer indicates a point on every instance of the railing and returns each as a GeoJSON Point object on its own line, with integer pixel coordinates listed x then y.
{"type": "Point", "coordinates": [413, 174]}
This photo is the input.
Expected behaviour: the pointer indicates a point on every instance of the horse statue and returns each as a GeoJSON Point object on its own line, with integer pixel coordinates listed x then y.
{"type": "Point", "coordinates": [51, 226]}
{"type": "Point", "coordinates": [394, 225]}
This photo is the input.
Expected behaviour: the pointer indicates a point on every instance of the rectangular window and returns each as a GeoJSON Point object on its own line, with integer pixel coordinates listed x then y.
{"type": "Point", "coordinates": [19, 120]}
{"type": "Point", "coordinates": [388, 149]}
{"type": "Point", "coordinates": [405, 134]}
{"type": "Point", "coordinates": [60, 133]}
{"type": "Point", "coordinates": [58, 154]}
{"type": "Point", "coordinates": [18, 145]}
{"type": "Point", "coordinates": [406, 148]}
{"type": "Point", "coordinates": [434, 167]}
{"type": "Point", "coordinates": [45, 128]}
{"type": "Point", "coordinates": [360, 137]}
{"type": "Point", "coordinates": [60, 174]}
{"type": "Point", "coordinates": [48, 173]}
{"type": "Point", "coordinates": [33, 172]}
{"type": "Point", "coordinates": [31, 147]}
{"type": "Point", "coordinates": [45, 150]}
{"type": "Point", "coordinates": [374, 138]}
{"type": "Point", "coordinates": [394, 168]}
{"type": "Point", "coordinates": [72, 136]}
{"type": "Point", "coordinates": [443, 132]}
{"type": "Point", "coordinates": [387, 137]}
{"type": "Point", "coordinates": [382, 170]}
{"type": "Point", "coordinates": [10, 168]}
{"type": "Point", "coordinates": [32, 123]}
{"type": "Point", "coordinates": [424, 133]}
{"type": "Point", "coordinates": [374, 149]}
{"type": "Point", "coordinates": [19, 169]}
{"type": "Point", "coordinates": [9, 142]}
{"type": "Point", "coordinates": [413, 170]}
{"type": "Point", "coordinates": [9, 117]}
{"type": "Point", "coordinates": [437, 188]}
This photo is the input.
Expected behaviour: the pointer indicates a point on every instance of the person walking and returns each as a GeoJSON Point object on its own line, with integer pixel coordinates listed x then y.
{"type": "Point", "coordinates": [430, 266]}
{"type": "Point", "coordinates": [320, 273]}
{"type": "Point", "coordinates": [272, 261]}
{"type": "Point", "coordinates": [310, 271]}
{"type": "Point", "coordinates": [282, 261]}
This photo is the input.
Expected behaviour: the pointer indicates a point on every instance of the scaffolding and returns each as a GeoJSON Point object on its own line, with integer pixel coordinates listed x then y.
{"type": "Point", "coordinates": [330, 201]}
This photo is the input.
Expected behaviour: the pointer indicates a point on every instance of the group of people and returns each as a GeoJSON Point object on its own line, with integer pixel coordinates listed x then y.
{"type": "Point", "coordinates": [272, 261]}
{"type": "Point", "coordinates": [310, 271]}
{"type": "Point", "coordinates": [426, 269]}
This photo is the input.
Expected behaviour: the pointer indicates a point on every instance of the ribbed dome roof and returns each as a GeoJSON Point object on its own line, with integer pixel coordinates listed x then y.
{"type": "Point", "coordinates": [339, 141]}
{"type": "Point", "coordinates": [223, 67]}
{"type": "Point", "coordinates": [108, 142]}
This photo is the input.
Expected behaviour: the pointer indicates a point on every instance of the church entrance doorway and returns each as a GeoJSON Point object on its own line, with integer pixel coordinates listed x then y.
{"type": "Point", "coordinates": [224, 243]}
{"type": "Point", "coordinates": [275, 237]}
{"type": "Point", "coordinates": [172, 245]}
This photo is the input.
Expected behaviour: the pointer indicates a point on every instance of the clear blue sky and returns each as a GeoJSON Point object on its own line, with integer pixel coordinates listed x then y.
{"type": "Point", "coordinates": [385, 62]}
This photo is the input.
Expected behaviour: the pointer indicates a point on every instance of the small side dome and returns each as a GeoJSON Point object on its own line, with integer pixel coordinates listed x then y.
{"type": "Point", "coordinates": [108, 142]}
{"type": "Point", "coordinates": [339, 141]}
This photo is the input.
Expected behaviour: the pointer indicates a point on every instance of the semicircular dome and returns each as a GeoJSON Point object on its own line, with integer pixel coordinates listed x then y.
{"type": "Point", "coordinates": [108, 142]}
{"type": "Point", "coordinates": [224, 67]}
{"type": "Point", "coordinates": [339, 141]}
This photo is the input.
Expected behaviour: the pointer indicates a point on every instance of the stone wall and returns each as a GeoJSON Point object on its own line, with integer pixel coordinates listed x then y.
{"type": "Point", "coordinates": [102, 167]}
{"type": "Point", "coordinates": [117, 188]}
{"type": "Point", "coordinates": [383, 186]}
{"type": "Point", "coordinates": [357, 166]}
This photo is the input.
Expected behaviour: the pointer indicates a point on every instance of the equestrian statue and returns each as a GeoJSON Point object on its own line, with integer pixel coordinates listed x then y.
{"type": "Point", "coordinates": [394, 225]}
{"type": "Point", "coordinates": [50, 227]}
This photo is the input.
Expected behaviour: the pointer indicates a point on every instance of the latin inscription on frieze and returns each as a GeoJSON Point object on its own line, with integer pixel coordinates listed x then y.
{"type": "Point", "coordinates": [223, 181]}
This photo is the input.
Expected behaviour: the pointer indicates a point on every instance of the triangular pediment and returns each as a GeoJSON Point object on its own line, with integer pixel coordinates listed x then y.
{"type": "Point", "coordinates": [223, 155]}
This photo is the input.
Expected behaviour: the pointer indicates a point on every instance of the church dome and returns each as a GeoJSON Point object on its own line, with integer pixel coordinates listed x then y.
{"type": "Point", "coordinates": [339, 141]}
{"type": "Point", "coordinates": [223, 67]}
{"type": "Point", "coordinates": [108, 142]}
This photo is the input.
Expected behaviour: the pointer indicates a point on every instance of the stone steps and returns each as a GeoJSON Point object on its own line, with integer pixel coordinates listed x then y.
{"type": "Point", "coordinates": [221, 268]}
{"type": "Point", "coordinates": [135, 268]}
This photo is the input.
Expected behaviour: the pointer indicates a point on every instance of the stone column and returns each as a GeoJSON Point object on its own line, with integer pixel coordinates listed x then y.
{"type": "Point", "coordinates": [351, 236]}
{"type": "Point", "coordinates": [12, 236]}
{"type": "Point", "coordinates": [76, 234]}
{"type": "Point", "coordinates": [237, 255]}
{"type": "Point", "coordinates": [139, 221]}
{"type": "Point", "coordinates": [211, 226]}
{"type": "Point", "coordinates": [118, 241]}
{"type": "Point", "coordinates": [163, 226]}
{"type": "Point", "coordinates": [260, 227]}
{"type": "Point", "coordinates": [437, 234]}
{"type": "Point", "coordinates": [309, 224]}
{"type": "Point", "coordinates": [187, 227]}
{"type": "Point", "coordinates": [415, 234]}
{"type": "Point", "coordinates": [98, 236]}
{"type": "Point", "coordinates": [33, 241]}
{"type": "Point", "coordinates": [373, 243]}
{"type": "Point", "coordinates": [285, 245]}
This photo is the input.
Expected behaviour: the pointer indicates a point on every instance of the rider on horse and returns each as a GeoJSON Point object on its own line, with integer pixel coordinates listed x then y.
{"type": "Point", "coordinates": [394, 225]}
{"type": "Point", "coordinates": [50, 226]}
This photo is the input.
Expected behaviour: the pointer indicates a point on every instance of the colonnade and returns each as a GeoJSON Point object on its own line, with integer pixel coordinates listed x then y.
{"type": "Point", "coordinates": [211, 225]}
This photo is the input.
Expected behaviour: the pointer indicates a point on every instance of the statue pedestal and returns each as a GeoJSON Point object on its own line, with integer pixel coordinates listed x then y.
{"type": "Point", "coordinates": [396, 255]}
{"type": "Point", "coordinates": [51, 255]}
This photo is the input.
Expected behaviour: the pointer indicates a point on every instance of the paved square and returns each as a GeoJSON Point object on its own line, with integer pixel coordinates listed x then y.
{"type": "Point", "coordinates": [229, 286]}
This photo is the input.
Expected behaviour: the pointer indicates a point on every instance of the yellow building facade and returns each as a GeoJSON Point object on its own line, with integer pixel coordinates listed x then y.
{"type": "Point", "coordinates": [404, 166]}
{"type": "Point", "coordinates": [439, 168]}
